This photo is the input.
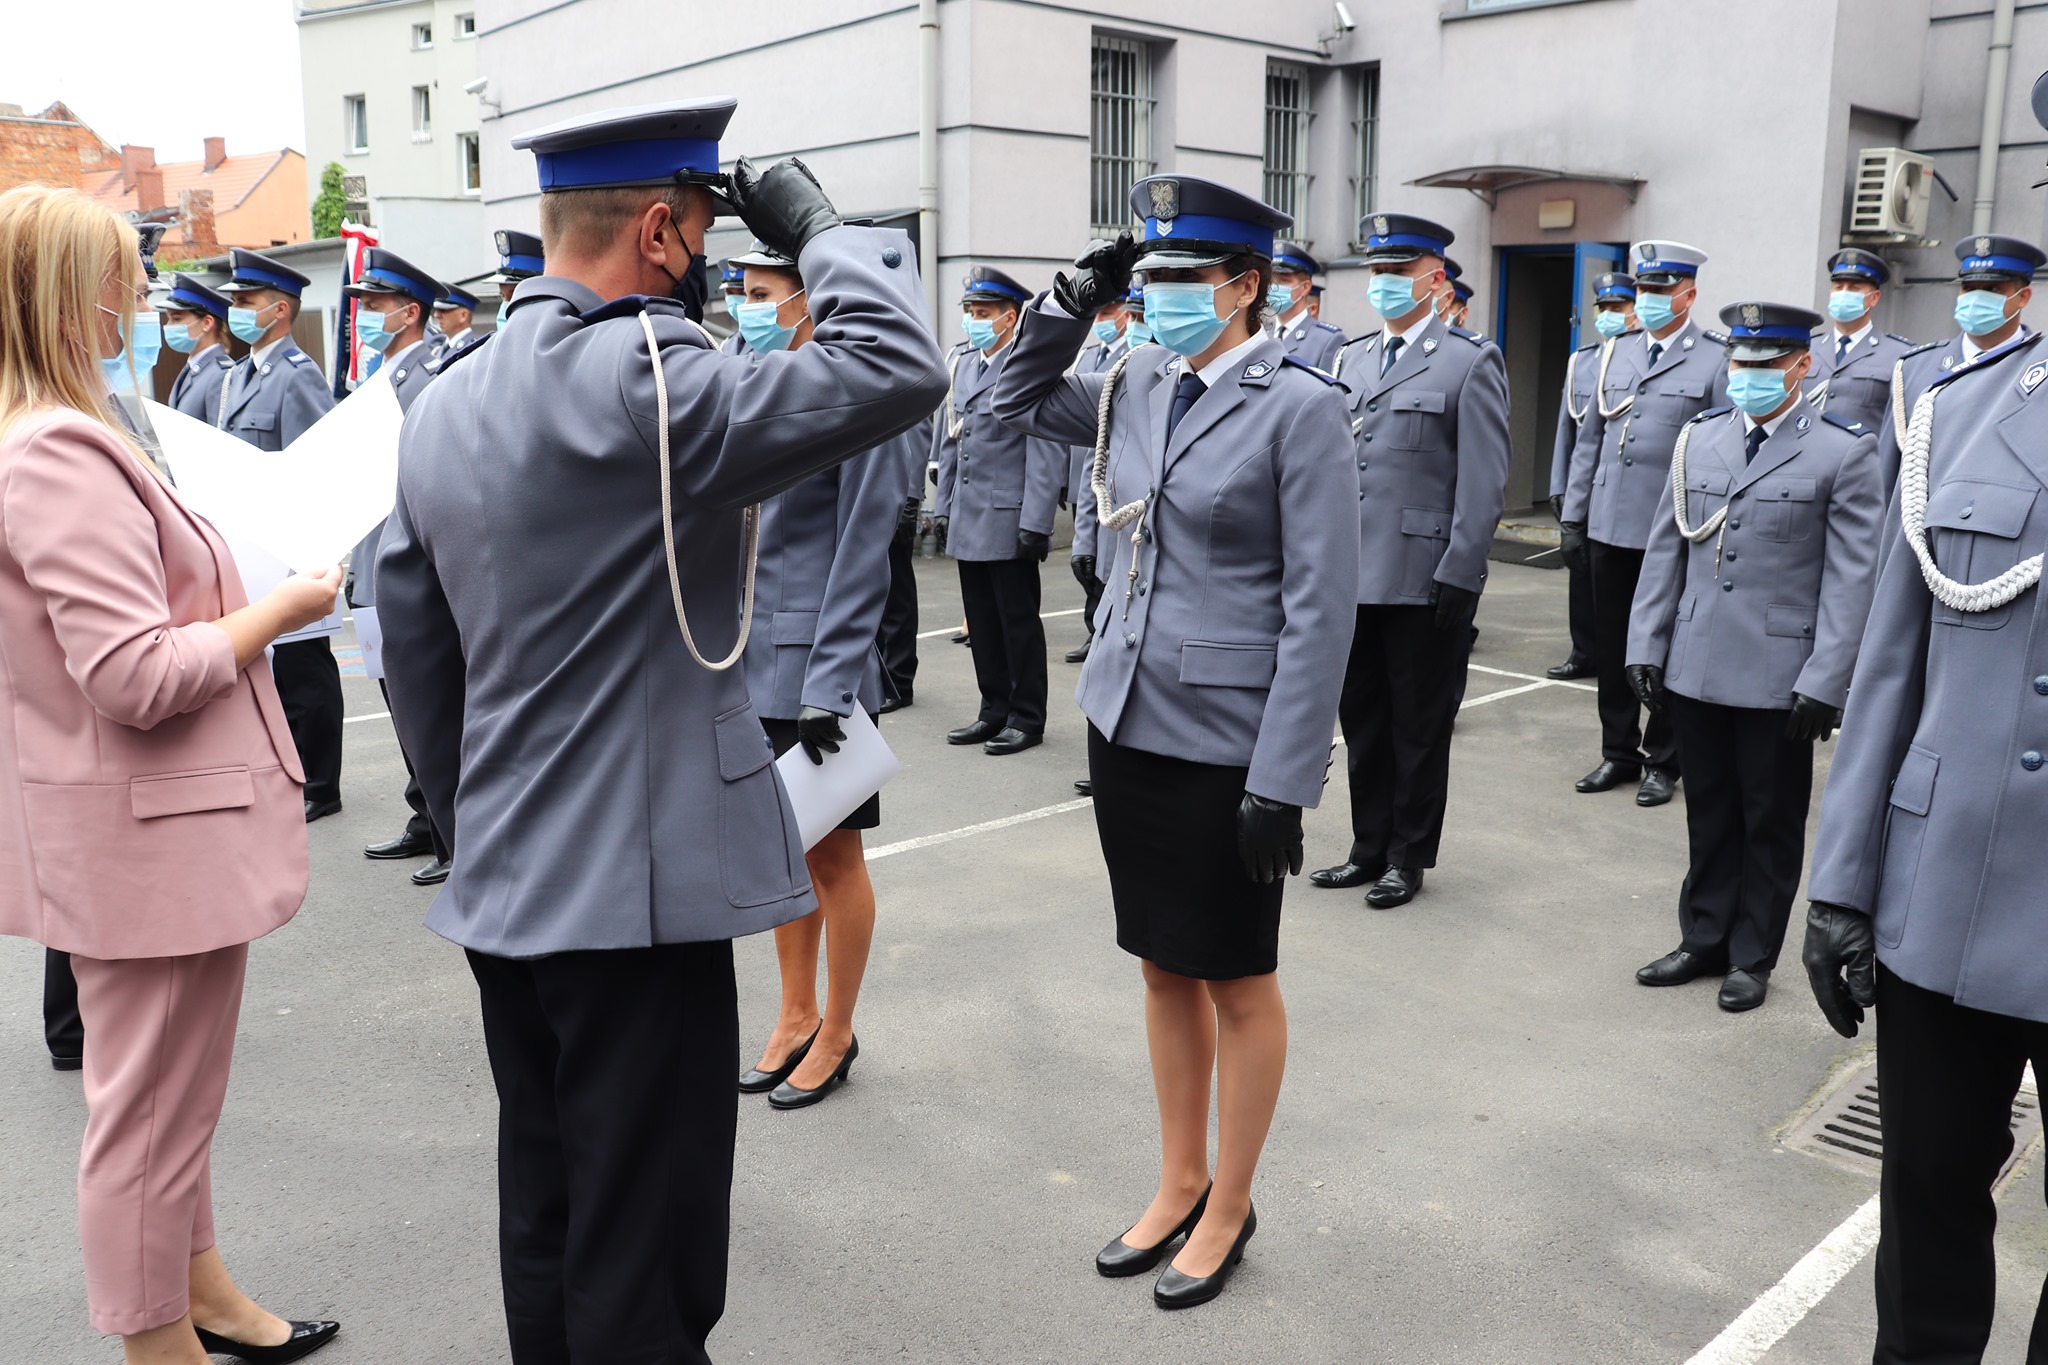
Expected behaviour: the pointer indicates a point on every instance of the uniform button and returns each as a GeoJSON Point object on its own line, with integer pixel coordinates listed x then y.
{"type": "Point", "coordinates": [2041, 684]}
{"type": "Point", "coordinates": [1361, 464]}
{"type": "Point", "coordinates": [1736, 498]}
{"type": "Point", "coordinates": [1727, 587]}
{"type": "Point", "coordinates": [846, 696]}
{"type": "Point", "coordinates": [1806, 630]}
{"type": "Point", "coordinates": [891, 257]}
{"type": "Point", "coordinates": [1143, 588]}
{"type": "Point", "coordinates": [1372, 407]}
{"type": "Point", "coordinates": [1731, 556]}
{"type": "Point", "coordinates": [2031, 759]}
{"type": "Point", "coordinates": [1735, 526]}
{"type": "Point", "coordinates": [1147, 534]}
{"type": "Point", "coordinates": [1130, 642]}
{"type": "Point", "coordinates": [1965, 514]}
{"type": "Point", "coordinates": [1628, 459]}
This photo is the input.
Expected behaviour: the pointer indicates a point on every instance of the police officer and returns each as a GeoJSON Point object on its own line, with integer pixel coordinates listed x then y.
{"type": "Point", "coordinates": [1315, 301]}
{"type": "Point", "coordinates": [1746, 624]}
{"type": "Point", "coordinates": [1429, 412]}
{"type": "Point", "coordinates": [1853, 363]}
{"type": "Point", "coordinates": [1302, 334]}
{"type": "Point", "coordinates": [1651, 385]}
{"type": "Point", "coordinates": [1106, 346]}
{"type": "Point", "coordinates": [998, 494]}
{"type": "Point", "coordinates": [520, 257]}
{"type": "Point", "coordinates": [1614, 314]}
{"type": "Point", "coordinates": [394, 298]}
{"type": "Point", "coordinates": [195, 324]}
{"type": "Point", "coordinates": [275, 393]}
{"type": "Point", "coordinates": [566, 488]}
{"type": "Point", "coordinates": [451, 331]}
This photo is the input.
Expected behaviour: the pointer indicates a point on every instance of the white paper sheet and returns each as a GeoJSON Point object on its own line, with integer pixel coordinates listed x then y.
{"type": "Point", "coordinates": [370, 635]}
{"type": "Point", "coordinates": [261, 571]}
{"type": "Point", "coordinates": [824, 794]}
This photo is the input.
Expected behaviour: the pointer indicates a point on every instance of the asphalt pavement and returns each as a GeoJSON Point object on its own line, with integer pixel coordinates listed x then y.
{"type": "Point", "coordinates": [1492, 1145]}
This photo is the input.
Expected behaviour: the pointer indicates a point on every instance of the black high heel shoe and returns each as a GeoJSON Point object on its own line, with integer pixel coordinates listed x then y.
{"type": "Point", "coordinates": [787, 1096]}
{"type": "Point", "coordinates": [306, 1338]}
{"type": "Point", "coordinates": [1120, 1258]}
{"type": "Point", "coordinates": [1175, 1290]}
{"type": "Point", "coordinates": [754, 1080]}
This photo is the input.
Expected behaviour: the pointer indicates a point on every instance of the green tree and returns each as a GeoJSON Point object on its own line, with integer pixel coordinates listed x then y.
{"type": "Point", "coordinates": [329, 207]}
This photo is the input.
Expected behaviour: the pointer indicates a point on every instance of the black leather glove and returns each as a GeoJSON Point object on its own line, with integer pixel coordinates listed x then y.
{"type": "Point", "coordinates": [1647, 682]}
{"type": "Point", "coordinates": [1033, 545]}
{"type": "Point", "coordinates": [1084, 571]}
{"type": "Point", "coordinates": [1841, 962]}
{"type": "Point", "coordinates": [907, 521]}
{"type": "Point", "coordinates": [939, 525]}
{"type": "Point", "coordinates": [1268, 838]}
{"type": "Point", "coordinates": [785, 207]}
{"type": "Point", "coordinates": [818, 730]}
{"type": "Point", "coordinates": [1810, 719]}
{"type": "Point", "coordinates": [1454, 606]}
{"type": "Point", "coordinates": [1556, 501]}
{"type": "Point", "coordinates": [1102, 276]}
{"type": "Point", "coordinates": [1571, 544]}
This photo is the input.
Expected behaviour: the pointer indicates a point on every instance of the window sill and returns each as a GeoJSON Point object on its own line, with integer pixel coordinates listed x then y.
{"type": "Point", "coordinates": [422, 137]}
{"type": "Point", "coordinates": [357, 151]}
{"type": "Point", "coordinates": [1485, 11]}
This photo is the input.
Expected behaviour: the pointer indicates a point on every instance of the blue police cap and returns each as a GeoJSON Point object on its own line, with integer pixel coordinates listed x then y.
{"type": "Point", "coordinates": [1191, 222]}
{"type": "Point", "coordinates": [452, 297]}
{"type": "Point", "coordinates": [986, 284]}
{"type": "Point", "coordinates": [1294, 256]}
{"type": "Point", "coordinates": [1461, 291]}
{"type": "Point", "coordinates": [519, 257]}
{"type": "Point", "coordinates": [1666, 262]}
{"type": "Point", "coordinates": [1397, 237]}
{"type": "Point", "coordinates": [731, 274]}
{"type": "Point", "coordinates": [1991, 257]}
{"type": "Point", "coordinates": [387, 272]}
{"type": "Point", "coordinates": [1452, 270]}
{"type": "Point", "coordinates": [1615, 284]}
{"type": "Point", "coordinates": [190, 296]}
{"type": "Point", "coordinates": [1765, 331]}
{"type": "Point", "coordinates": [1854, 263]}
{"type": "Point", "coordinates": [253, 270]}
{"type": "Point", "coordinates": [649, 144]}
{"type": "Point", "coordinates": [1315, 291]}
{"type": "Point", "coordinates": [1135, 300]}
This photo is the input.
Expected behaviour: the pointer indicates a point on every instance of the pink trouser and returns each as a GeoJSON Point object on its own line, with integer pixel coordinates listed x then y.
{"type": "Point", "coordinates": [159, 1033]}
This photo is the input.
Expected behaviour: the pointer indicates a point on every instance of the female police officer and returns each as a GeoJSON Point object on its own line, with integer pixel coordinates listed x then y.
{"type": "Point", "coordinates": [1225, 470]}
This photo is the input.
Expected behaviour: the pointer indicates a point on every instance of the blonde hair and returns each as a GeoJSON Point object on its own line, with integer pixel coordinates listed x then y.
{"type": "Point", "coordinates": [58, 249]}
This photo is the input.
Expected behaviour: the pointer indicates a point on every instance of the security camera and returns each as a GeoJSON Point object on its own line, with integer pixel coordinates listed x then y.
{"type": "Point", "coordinates": [477, 86]}
{"type": "Point", "coordinates": [1345, 23]}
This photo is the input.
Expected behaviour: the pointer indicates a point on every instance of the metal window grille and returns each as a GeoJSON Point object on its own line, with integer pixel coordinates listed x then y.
{"type": "Point", "coordinates": [1287, 117]}
{"type": "Point", "coordinates": [1120, 129]}
{"type": "Point", "coordinates": [1365, 131]}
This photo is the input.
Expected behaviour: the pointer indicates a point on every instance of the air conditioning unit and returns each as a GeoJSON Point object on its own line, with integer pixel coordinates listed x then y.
{"type": "Point", "coordinates": [1893, 186]}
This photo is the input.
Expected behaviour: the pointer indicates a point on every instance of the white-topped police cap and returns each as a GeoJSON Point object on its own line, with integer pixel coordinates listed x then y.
{"type": "Point", "coordinates": [1191, 222]}
{"type": "Point", "coordinates": [1615, 284]}
{"type": "Point", "coordinates": [254, 270]}
{"type": "Point", "coordinates": [387, 272]}
{"type": "Point", "coordinates": [1989, 256]}
{"type": "Point", "coordinates": [760, 254]}
{"type": "Point", "coordinates": [986, 284]}
{"type": "Point", "coordinates": [519, 257]}
{"type": "Point", "coordinates": [1665, 262]}
{"type": "Point", "coordinates": [1854, 263]}
{"type": "Point", "coordinates": [648, 144]}
{"type": "Point", "coordinates": [1765, 331]}
{"type": "Point", "coordinates": [1396, 237]}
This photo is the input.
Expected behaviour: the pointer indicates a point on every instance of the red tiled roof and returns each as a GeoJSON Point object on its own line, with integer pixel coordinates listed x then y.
{"type": "Point", "coordinates": [231, 181]}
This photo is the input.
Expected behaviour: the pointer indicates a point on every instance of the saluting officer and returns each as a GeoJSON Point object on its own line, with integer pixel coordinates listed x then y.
{"type": "Point", "coordinates": [519, 258]}
{"type": "Point", "coordinates": [1302, 334]}
{"type": "Point", "coordinates": [1755, 585]}
{"type": "Point", "coordinates": [1429, 413]}
{"type": "Point", "coordinates": [998, 495]}
{"type": "Point", "coordinates": [1650, 387]}
{"type": "Point", "coordinates": [1852, 365]}
{"type": "Point", "coordinates": [607, 780]}
{"type": "Point", "coordinates": [1107, 346]}
{"type": "Point", "coordinates": [1614, 315]}
{"type": "Point", "coordinates": [195, 325]}
{"type": "Point", "coordinates": [453, 313]}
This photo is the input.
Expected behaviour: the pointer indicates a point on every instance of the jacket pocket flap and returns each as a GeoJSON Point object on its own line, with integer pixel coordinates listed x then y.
{"type": "Point", "coordinates": [1686, 604]}
{"type": "Point", "coordinates": [1913, 788]}
{"type": "Point", "coordinates": [1783, 488]}
{"type": "Point", "coordinates": [1793, 621]}
{"type": "Point", "coordinates": [1709, 482]}
{"type": "Point", "coordinates": [1425, 521]}
{"type": "Point", "coordinates": [1420, 401]}
{"type": "Point", "coordinates": [183, 793]}
{"type": "Point", "coordinates": [258, 421]}
{"type": "Point", "coordinates": [1221, 665]}
{"type": "Point", "coordinates": [743, 746]}
{"type": "Point", "coordinates": [1992, 509]}
{"type": "Point", "coordinates": [1685, 388]}
{"type": "Point", "coordinates": [792, 628]}
{"type": "Point", "coordinates": [1005, 501]}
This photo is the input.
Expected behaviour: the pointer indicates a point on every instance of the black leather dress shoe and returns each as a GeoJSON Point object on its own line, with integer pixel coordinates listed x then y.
{"type": "Point", "coordinates": [1175, 1290]}
{"type": "Point", "coordinates": [1676, 968]}
{"type": "Point", "coordinates": [1396, 886]}
{"type": "Point", "coordinates": [891, 705]}
{"type": "Point", "coordinates": [404, 846]}
{"type": "Point", "coordinates": [1079, 654]}
{"type": "Point", "coordinates": [1085, 786]}
{"type": "Point", "coordinates": [1657, 788]}
{"type": "Point", "coordinates": [1344, 876]}
{"type": "Point", "coordinates": [976, 733]}
{"type": "Point", "coordinates": [961, 637]}
{"type": "Point", "coordinates": [66, 1063]}
{"type": "Point", "coordinates": [1569, 671]}
{"type": "Point", "coordinates": [754, 1081]}
{"type": "Point", "coordinates": [433, 874]}
{"type": "Point", "coordinates": [320, 810]}
{"type": "Point", "coordinates": [1607, 777]}
{"type": "Point", "coordinates": [306, 1338]}
{"type": "Point", "coordinates": [787, 1096]}
{"type": "Point", "coordinates": [1010, 740]}
{"type": "Point", "coordinates": [1742, 990]}
{"type": "Point", "coordinates": [1120, 1259]}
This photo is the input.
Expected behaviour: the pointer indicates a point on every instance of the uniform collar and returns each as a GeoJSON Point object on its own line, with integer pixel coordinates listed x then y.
{"type": "Point", "coordinates": [1971, 350]}
{"type": "Point", "coordinates": [1227, 362]}
{"type": "Point", "coordinates": [1671, 343]}
{"type": "Point", "coordinates": [1750, 424]}
{"type": "Point", "coordinates": [395, 361]}
{"type": "Point", "coordinates": [202, 359]}
{"type": "Point", "coordinates": [1856, 338]}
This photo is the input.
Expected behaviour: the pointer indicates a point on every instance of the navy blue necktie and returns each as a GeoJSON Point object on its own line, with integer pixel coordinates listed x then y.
{"type": "Point", "coordinates": [1841, 351]}
{"type": "Point", "coordinates": [1751, 442]}
{"type": "Point", "coordinates": [1656, 350]}
{"type": "Point", "coordinates": [1190, 388]}
{"type": "Point", "coordinates": [1394, 345]}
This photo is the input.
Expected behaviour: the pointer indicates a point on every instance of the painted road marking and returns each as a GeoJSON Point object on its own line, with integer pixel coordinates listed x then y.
{"type": "Point", "coordinates": [1779, 1309]}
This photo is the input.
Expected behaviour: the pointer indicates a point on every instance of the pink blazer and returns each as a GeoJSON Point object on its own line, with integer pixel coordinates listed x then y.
{"type": "Point", "coordinates": [150, 798]}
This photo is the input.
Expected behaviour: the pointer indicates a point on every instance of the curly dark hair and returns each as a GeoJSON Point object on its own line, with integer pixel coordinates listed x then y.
{"type": "Point", "coordinates": [1259, 313]}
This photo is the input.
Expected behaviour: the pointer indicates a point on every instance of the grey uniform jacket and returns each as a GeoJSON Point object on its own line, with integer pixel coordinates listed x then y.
{"type": "Point", "coordinates": [823, 580]}
{"type": "Point", "coordinates": [605, 790]}
{"type": "Point", "coordinates": [270, 408]}
{"type": "Point", "coordinates": [1910, 376]}
{"type": "Point", "coordinates": [1935, 806]}
{"type": "Point", "coordinates": [1089, 538]}
{"type": "Point", "coordinates": [1581, 374]}
{"type": "Point", "coordinates": [1432, 460]}
{"type": "Point", "coordinates": [1860, 390]}
{"type": "Point", "coordinates": [993, 481]}
{"type": "Point", "coordinates": [1229, 647]}
{"type": "Point", "coordinates": [412, 370]}
{"type": "Point", "coordinates": [197, 389]}
{"type": "Point", "coordinates": [1774, 603]}
{"type": "Point", "coordinates": [1317, 343]}
{"type": "Point", "coordinates": [1621, 469]}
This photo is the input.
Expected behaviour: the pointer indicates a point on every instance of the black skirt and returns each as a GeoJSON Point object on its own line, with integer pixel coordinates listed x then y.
{"type": "Point", "coordinates": [1169, 835]}
{"type": "Point", "coordinates": [782, 734]}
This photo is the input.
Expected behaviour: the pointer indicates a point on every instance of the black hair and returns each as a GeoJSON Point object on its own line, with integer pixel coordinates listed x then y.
{"type": "Point", "coordinates": [1259, 313]}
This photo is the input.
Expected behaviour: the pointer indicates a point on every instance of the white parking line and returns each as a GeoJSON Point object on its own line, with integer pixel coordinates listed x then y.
{"type": "Point", "coordinates": [1043, 616]}
{"type": "Point", "coordinates": [1536, 686]}
{"type": "Point", "coordinates": [1531, 677]}
{"type": "Point", "coordinates": [968, 831]}
{"type": "Point", "coordinates": [373, 715]}
{"type": "Point", "coordinates": [1778, 1309]}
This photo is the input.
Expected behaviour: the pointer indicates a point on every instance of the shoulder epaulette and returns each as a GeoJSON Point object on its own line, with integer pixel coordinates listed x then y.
{"type": "Point", "coordinates": [1591, 346]}
{"type": "Point", "coordinates": [1718, 338]}
{"type": "Point", "coordinates": [1927, 346]}
{"type": "Point", "coordinates": [1475, 338]}
{"type": "Point", "coordinates": [450, 357]}
{"type": "Point", "coordinates": [1327, 326]}
{"type": "Point", "coordinates": [630, 306]}
{"type": "Point", "coordinates": [298, 358]}
{"type": "Point", "coordinates": [1854, 428]}
{"type": "Point", "coordinates": [224, 361]}
{"type": "Point", "coordinates": [1721, 411]}
{"type": "Point", "coordinates": [1903, 341]}
{"type": "Point", "coordinates": [1988, 360]}
{"type": "Point", "coordinates": [1301, 364]}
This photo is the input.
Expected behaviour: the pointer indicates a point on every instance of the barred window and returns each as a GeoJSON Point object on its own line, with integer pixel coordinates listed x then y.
{"type": "Point", "coordinates": [1287, 116]}
{"type": "Point", "coordinates": [1365, 136]}
{"type": "Point", "coordinates": [1120, 129]}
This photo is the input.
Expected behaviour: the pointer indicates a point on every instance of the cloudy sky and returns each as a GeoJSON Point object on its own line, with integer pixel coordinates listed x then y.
{"type": "Point", "coordinates": [137, 70]}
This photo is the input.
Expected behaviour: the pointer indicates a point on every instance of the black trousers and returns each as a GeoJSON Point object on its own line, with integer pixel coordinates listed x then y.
{"type": "Point", "coordinates": [1747, 789]}
{"type": "Point", "coordinates": [1091, 599]}
{"type": "Point", "coordinates": [309, 687]}
{"type": "Point", "coordinates": [1946, 1075]}
{"type": "Point", "coordinates": [421, 825]}
{"type": "Point", "coordinates": [616, 1118]}
{"type": "Point", "coordinates": [63, 1030]}
{"type": "Point", "coordinates": [1401, 690]}
{"type": "Point", "coordinates": [1622, 737]}
{"type": "Point", "coordinates": [1001, 597]}
{"type": "Point", "coordinates": [897, 637]}
{"type": "Point", "coordinates": [1579, 612]}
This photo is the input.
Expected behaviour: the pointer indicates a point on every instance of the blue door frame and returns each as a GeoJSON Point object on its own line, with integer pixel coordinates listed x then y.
{"type": "Point", "coordinates": [1589, 261]}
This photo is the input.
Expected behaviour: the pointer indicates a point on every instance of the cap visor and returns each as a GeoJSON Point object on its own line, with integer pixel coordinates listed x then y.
{"type": "Point", "coordinates": [1980, 276]}
{"type": "Point", "coordinates": [1178, 260]}
{"type": "Point", "coordinates": [1760, 350]}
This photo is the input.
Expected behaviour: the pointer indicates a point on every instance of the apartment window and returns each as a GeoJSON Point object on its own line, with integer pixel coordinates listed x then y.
{"type": "Point", "coordinates": [1365, 141]}
{"type": "Point", "coordinates": [465, 26]}
{"type": "Point", "coordinates": [422, 37]}
{"type": "Point", "coordinates": [422, 113]}
{"type": "Point", "coordinates": [355, 113]}
{"type": "Point", "coordinates": [472, 163]}
{"type": "Point", "coordinates": [1120, 129]}
{"type": "Point", "coordinates": [1287, 116]}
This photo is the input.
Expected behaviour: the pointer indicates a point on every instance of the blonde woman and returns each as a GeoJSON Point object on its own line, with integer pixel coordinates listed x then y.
{"type": "Point", "coordinates": [138, 726]}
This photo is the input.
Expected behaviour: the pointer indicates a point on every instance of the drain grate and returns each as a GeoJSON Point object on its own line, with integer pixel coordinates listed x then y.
{"type": "Point", "coordinates": [1847, 1126]}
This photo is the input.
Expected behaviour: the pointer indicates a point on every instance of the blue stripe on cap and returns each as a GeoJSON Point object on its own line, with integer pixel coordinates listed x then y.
{"type": "Point", "coordinates": [1301, 263]}
{"type": "Point", "coordinates": [1615, 291]}
{"type": "Point", "coordinates": [1203, 228]}
{"type": "Point", "coordinates": [189, 302]}
{"type": "Point", "coordinates": [406, 283]}
{"type": "Point", "coordinates": [995, 287]}
{"type": "Point", "coordinates": [1415, 239]}
{"type": "Point", "coordinates": [1665, 268]}
{"type": "Point", "coordinates": [268, 279]}
{"type": "Point", "coordinates": [614, 163]}
{"type": "Point", "coordinates": [1780, 331]}
{"type": "Point", "coordinates": [534, 263]}
{"type": "Point", "coordinates": [2011, 265]}
{"type": "Point", "coordinates": [1856, 268]}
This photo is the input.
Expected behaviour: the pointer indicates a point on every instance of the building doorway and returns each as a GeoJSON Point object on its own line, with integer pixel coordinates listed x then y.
{"type": "Point", "coordinates": [1544, 313]}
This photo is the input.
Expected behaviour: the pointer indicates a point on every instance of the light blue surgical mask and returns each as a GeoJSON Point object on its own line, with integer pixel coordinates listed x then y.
{"type": "Point", "coordinates": [1847, 305]}
{"type": "Point", "coordinates": [1757, 390]}
{"type": "Point", "coordinates": [981, 333]}
{"type": "Point", "coordinates": [759, 326]}
{"type": "Point", "coordinates": [178, 336]}
{"type": "Point", "coordinates": [1138, 334]}
{"type": "Point", "coordinates": [370, 329]}
{"type": "Point", "coordinates": [504, 311]}
{"type": "Point", "coordinates": [1391, 295]}
{"type": "Point", "coordinates": [1610, 322]}
{"type": "Point", "coordinates": [1105, 332]}
{"type": "Point", "coordinates": [148, 341]}
{"type": "Point", "coordinates": [1654, 311]}
{"type": "Point", "coordinates": [1279, 298]}
{"type": "Point", "coordinates": [1979, 311]}
{"type": "Point", "coordinates": [1183, 316]}
{"type": "Point", "coordinates": [243, 323]}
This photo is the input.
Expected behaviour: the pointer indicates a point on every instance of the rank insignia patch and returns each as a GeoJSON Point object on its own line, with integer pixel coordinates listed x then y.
{"type": "Point", "coordinates": [2031, 380]}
